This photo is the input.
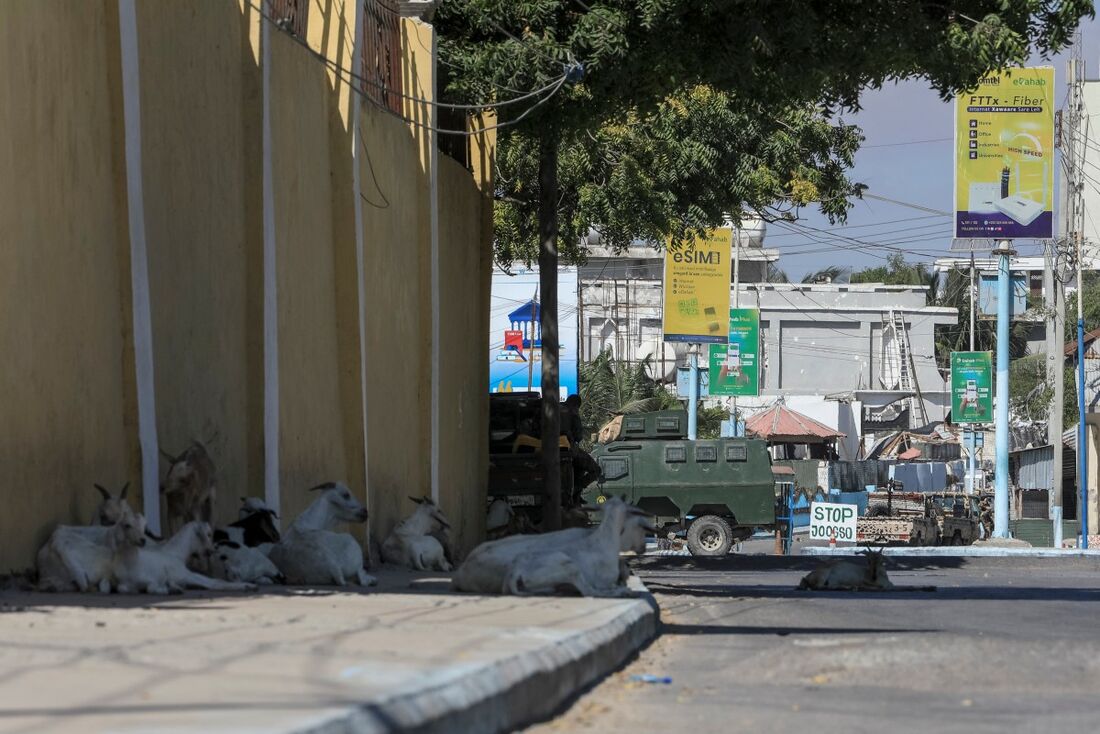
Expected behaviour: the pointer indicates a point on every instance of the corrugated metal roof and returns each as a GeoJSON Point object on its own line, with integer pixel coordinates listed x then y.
{"type": "Point", "coordinates": [780, 422]}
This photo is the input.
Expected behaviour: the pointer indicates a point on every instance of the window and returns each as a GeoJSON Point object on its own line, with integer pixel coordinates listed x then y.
{"type": "Point", "coordinates": [736, 452]}
{"type": "Point", "coordinates": [706, 452]}
{"type": "Point", "coordinates": [669, 424]}
{"type": "Point", "coordinates": [614, 468]}
{"type": "Point", "coordinates": [381, 57]}
{"type": "Point", "coordinates": [291, 15]}
{"type": "Point", "coordinates": [675, 454]}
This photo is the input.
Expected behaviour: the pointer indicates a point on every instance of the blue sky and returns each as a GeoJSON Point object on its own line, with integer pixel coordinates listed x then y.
{"type": "Point", "coordinates": [907, 156]}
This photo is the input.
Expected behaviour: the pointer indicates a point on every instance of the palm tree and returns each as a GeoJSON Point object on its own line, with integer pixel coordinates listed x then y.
{"type": "Point", "coordinates": [831, 274]}
{"type": "Point", "coordinates": [609, 388]}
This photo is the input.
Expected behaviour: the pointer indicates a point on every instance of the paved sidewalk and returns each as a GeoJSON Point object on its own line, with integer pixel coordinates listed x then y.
{"type": "Point", "coordinates": [408, 656]}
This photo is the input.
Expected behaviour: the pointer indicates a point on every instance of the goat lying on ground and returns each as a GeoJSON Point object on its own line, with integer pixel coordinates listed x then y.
{"type": "Point", "coordinates": [84, 558]}
{"type": "Point", "coordinates": [516, 563]}
{"type": "Point", "coordinates": [255, 526]}
{"type": "Point", "coordinates": [311, 553]}
{"type": "Point", "coordinates": [163, 569]}
{"type": "Point", "coordinates": [849, 576]}
{"type": "Point", "coordinates": [235, 562]}
{"type": "Point", "coordinates": [189, 487]}
{"type": "Point", "coordinates": [412, 543]}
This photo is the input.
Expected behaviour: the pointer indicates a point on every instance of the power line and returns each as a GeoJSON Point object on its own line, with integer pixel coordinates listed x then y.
{"type": "Point", "coordinates": [907, 142]}
{"type": "Point", "coordinates": [350, 77]}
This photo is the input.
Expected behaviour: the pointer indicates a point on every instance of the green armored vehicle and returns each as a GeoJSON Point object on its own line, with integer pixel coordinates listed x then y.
{"type": "Point", "coordinates": [718, 490]}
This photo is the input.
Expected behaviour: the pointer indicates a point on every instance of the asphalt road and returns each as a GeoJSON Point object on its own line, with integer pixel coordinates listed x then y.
{"type": "Point", "coordinates": [1002, 645]}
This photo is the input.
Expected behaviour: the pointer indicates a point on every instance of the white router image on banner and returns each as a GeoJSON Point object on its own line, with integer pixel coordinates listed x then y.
{"type": "Point", "coordinates": [984, 197]}
{"type": "Point", "coordinates": [1020, 209]}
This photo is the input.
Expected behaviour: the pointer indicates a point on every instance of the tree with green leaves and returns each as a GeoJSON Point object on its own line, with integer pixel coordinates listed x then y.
{"type": "Point", "coordinates": [896, 271]}
{"type": "Point", "coordinates": [613, 68]}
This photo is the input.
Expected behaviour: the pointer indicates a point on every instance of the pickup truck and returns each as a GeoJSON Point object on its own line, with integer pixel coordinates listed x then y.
{"type": "Point", "coordinates": [897, 518]}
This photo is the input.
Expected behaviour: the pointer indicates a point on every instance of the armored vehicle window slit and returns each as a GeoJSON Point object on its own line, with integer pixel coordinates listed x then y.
{"type": "Point", "coordinates": [706, 452]}
{"type": "Point", "coordinates": [614, 468]}
{"type": "Point", "coordinates": [675, 454]}
{"type": "Point", "coordinates": [736, 453]}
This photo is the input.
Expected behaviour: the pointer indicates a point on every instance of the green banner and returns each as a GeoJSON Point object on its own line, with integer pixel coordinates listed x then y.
{"type": "Point", "coordinates": [735, 367]}
{"type": "Point", "coordinates": [971, 387]}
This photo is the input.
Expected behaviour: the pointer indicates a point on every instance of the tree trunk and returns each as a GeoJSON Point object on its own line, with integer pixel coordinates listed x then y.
{"type": "Point", "coordinates": [548, 319]}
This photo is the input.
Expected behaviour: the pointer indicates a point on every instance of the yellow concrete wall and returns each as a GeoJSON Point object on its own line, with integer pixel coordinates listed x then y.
{"type": "Point", "coordinates": [396, 201]}
{"type": "Point", "coordinates": [464, 344]}
{"type": "Point", "coordinates": [201, 128]}
{"type": "Point", "coordinates": [68, 417]}
{"type": "Point", "coordinates": [66, 375]}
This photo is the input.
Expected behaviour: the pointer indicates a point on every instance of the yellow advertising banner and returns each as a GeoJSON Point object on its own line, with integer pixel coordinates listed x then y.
{"type": "Point", "coordinates": [1004, 156]}
{"type": "Point", "coordinates": [697, 289]}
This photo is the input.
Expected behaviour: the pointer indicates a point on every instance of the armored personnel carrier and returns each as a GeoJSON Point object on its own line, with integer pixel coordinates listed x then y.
{"type": "Point", "coordinates": [718, 491]}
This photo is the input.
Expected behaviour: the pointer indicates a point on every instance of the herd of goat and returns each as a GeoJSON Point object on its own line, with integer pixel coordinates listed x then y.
{"type": "Point", "coordinates": [118, 553]}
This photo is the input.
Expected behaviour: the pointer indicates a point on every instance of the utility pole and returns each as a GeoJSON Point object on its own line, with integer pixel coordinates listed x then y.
{"type": "Point", "coordinates": [1055, 308]}
{"type": "Point", "coordinates": [1073, 226]}
{"type": "Point", "coordinates": [971, 469]}
{"type": "Point", "coordinates": [1004, 310]}
{"type": "Point", "coordinates": [693, 392]}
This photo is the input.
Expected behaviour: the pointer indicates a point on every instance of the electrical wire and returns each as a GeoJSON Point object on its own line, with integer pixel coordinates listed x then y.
{"type": "Point", "coordinates": [350, 77]}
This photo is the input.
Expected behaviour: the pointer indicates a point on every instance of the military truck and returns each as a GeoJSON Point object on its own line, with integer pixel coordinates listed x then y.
{"type": "Point", "coordinates": [897, 517]}
{"type": "Point", "coordinates": [515, 465]}
{"type": "Point", "coordinates": [957, 514]}
{"type": "Point", "coordinates": [717, 491]}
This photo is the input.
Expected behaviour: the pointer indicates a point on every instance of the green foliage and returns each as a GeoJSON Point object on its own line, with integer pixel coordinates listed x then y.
{"type": "Point", "coordinates": [831, 274]}
{"type": "Point", "coordinates": [1030, 393]}
{"type": "Point", "coordinates": [674, 169]}
{"type": "Point", "coordinates": [689, 109]}
{"type": "Point", "coordinates": [773, 274]}
{"type": "Point", "coordinates": [1090, 306]}
{"type": "Point", "coordinates": [609, 388]}
{"type": "Point", "coordinates": [956, 337]}
{"type": "Point", "coordinates": [895, 272]}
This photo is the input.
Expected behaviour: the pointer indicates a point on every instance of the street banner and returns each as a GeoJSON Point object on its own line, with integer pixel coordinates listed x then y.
{"type": "Point", "coordinates": [1004, 156]}
{"type": "Point", "coordinates": [735, 366]}
{"type": "Point", "coordinates": [971, 387]}
{"type": "Point", "coordinates": [697, 290]}
{"type": "Point", "coordinates": [833, 520]}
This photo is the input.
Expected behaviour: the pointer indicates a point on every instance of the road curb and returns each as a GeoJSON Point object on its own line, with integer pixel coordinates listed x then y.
{"type": "Point", "coordinates": [959, 552]}
{"type": "Point", "coordinates": [514, 691]}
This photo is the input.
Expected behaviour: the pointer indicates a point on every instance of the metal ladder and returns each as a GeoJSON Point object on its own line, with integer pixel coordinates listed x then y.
{"type": "Point", "coordinates": [907, 369]}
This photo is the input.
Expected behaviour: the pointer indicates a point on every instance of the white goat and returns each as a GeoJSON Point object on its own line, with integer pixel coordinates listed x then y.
{"type": "Point", "coordinates": [591, 566]}
{"type": "Point", "coordinates": [236, 562]}
{"type": "Point", "coordinates": [84, 558]}
{"type": "Point", "coordinates": [163, 569]}
{"type": "Point", "coordinates": [311, 553]}
{"type": "Point", "coordinates": [500, 513]}
{"type": "Point", "coordinates": [492, 565]}
{"type": "Point", "coordinates": [412, 543]}
{"type": "Point", "coordinates": [848, 576]}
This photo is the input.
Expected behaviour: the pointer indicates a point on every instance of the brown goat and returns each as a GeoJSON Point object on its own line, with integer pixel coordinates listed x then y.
{"type": "Point", "coordinates": [189, 487]}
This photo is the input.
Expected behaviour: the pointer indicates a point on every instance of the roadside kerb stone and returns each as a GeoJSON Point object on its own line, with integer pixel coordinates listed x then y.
{"type": "Point", "coordinates": [402, 658]}
{"type": "Point", "coordinates": [958, 551]}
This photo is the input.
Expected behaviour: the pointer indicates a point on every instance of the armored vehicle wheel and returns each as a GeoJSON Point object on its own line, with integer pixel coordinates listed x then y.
{"type": "Point", "coordinates": [709, 535]}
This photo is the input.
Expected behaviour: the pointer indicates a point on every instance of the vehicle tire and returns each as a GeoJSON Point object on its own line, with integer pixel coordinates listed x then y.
{"type": "Point", "coordinates": [957, 538]}
{"type": "Point", "coordinates": [709, 535]}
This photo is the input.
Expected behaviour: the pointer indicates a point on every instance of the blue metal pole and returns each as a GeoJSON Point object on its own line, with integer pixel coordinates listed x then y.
{"type": "Point", "coordinates": [693, 394]}
{"type": "Point", "coordinates": [1082, 432]}
{"type": "Point", "coordinates": [1000, 496]}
